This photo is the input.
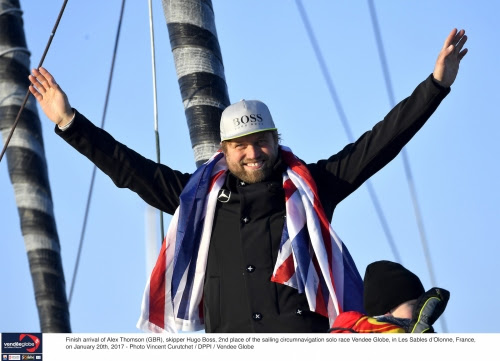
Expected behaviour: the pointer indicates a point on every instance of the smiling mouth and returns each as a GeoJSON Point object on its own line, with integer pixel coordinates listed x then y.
{"type": "Point", "coordinates": [254, 165]}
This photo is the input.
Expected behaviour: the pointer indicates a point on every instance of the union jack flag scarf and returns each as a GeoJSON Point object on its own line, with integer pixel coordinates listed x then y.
{"type": "Point", "coordinates": [311, 259]}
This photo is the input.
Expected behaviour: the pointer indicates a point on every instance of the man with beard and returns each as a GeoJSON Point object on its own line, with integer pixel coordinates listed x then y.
{"type": "Point", "coordinates": [250, 247]}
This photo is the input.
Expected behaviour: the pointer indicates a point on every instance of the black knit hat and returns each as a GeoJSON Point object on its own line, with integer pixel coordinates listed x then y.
{"type": "Point", "coordinates": [387, 285]}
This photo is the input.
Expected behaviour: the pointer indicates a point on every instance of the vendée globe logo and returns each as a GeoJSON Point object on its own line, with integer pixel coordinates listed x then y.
{"type": "Point", "coordinates": [21, 343]}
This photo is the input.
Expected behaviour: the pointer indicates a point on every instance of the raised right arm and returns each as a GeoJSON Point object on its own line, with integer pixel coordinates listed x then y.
{"type": "Point", "coordinates": [157, 184]}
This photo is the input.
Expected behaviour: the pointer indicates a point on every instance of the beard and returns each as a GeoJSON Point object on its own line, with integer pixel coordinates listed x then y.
{"type": "Point", "coordinates": [252, 175]}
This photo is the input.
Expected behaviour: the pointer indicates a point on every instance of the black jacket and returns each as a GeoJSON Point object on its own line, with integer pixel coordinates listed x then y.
{"type": "Point", "coordinates": [238, 293]}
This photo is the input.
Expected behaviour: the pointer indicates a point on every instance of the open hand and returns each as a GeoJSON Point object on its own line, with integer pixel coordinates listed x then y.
{"type": "Point", "coordinates": [448, 61]}
{"type": "Point", "coordinates": [51, 97]}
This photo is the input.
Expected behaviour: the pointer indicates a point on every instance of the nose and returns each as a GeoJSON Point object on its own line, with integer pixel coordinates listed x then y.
{"type": "Point", "coordinates": [253, 151]}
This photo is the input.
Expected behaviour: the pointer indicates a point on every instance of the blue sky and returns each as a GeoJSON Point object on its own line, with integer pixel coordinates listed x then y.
{"type": "Point", "coordinates": [268, 56]}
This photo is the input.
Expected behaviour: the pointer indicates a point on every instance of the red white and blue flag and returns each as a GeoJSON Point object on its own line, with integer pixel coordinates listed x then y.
{"type": "Point", "coordinates": [311, 259]}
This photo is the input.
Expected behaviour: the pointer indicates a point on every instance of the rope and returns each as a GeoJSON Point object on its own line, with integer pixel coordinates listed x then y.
{"type": "Point", "coordinates": [345, 123]}
{"type": "Point", "coordinates": [406, 161]}
{"type": "Point", "coordinates": [52, 34]}
{"type": "Point", "coordinates": [155, 103]}
{"type": "Point", "coordinates": [89, 197]}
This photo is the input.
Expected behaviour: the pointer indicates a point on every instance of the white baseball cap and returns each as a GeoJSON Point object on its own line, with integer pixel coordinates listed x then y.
{"type": "Point", "coordinates": [245, 117]}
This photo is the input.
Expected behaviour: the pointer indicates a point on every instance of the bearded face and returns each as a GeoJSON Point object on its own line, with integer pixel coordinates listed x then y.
{"type": "Point", "coordinates": [251, 158]}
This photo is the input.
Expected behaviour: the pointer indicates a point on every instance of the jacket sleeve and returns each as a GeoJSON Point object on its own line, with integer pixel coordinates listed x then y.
{"type": "Point", "coordinates": [157, 184]}
{"type": "Point", "coordinates": [344, 172]}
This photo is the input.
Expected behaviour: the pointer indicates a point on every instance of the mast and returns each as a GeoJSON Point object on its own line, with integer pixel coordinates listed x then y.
{"type": "Point", "coordinates": [200, 71]}
{"type": "Point", "coordinates": [29, 175]}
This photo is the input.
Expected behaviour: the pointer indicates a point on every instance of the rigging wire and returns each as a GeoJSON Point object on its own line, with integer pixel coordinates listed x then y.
{"type": "Point", "coordinates": [155, 102]}
{"type": "Point", "coordinates": [345, 123]}
{"type": "Point", "coordinates": [25, 100]}
{"type": "Point", "coordinates": [92, 181]}
{"type": "Point", "coordinates": [406, 161]}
